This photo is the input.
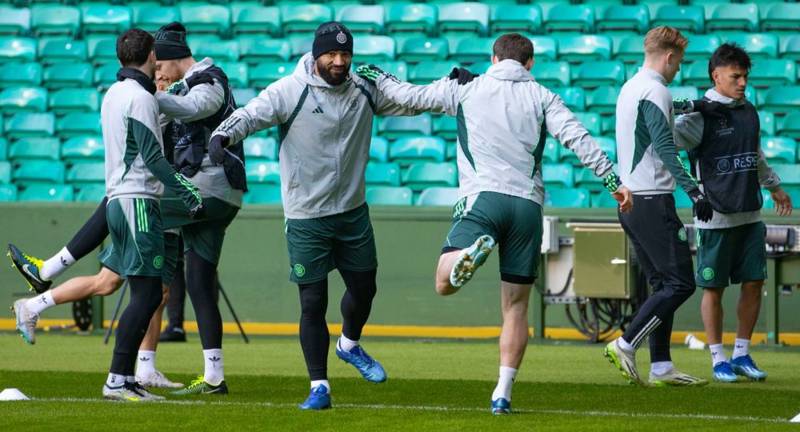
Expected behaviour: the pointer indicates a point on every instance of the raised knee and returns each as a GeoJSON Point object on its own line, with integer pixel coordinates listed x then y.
{"type": "Point", "coordinates": [443, 288]}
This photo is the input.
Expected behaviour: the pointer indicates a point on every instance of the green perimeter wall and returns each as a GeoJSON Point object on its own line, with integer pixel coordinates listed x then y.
{"type": "Point", "coordinates": [254, 268]}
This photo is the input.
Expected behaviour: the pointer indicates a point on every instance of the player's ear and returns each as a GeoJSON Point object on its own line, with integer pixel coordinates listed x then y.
{"type": "Point", "coordinates": [494, 59]}
{"type": "Point", "coordinates": [529, 64]}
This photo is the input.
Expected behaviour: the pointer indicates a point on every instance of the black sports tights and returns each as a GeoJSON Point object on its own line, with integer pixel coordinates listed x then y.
{"type": "Point", "coordinates": [91, 234]}
{"type": "Point", "coordinates": [356, 305]}
{"type": "Point", "coordinates": [201, 277]}
{"type": "Point", "coordinates": [145, 298]}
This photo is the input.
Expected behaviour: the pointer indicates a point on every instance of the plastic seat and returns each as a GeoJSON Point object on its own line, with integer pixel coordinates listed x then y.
{"type": "Point", "coordinates": [46, 193]}
{"type": "Point", "coordinates": [464, 17]}
{"type": "Point", "coordinates": [624, 18]}
{"type": "Point", "coordinates": [397, 127]}
{"type": "Point", "coordinates": [68, 75]}
{"type": "Point", "coordinates": [266, 73]}
{"type": "Point", "coordinates": [263, 171]}
{"type": "Point", "coordinates": [566, 198]}
{"type": "Point", "coordinates": [90, 192]}
{"type": "Point", "coordinates": [570, 18]}
{"type": "Point", "coordinates": [74, 100]}
{"type": "Point", "coordinates": [257, 49]}
{"type": "Point", "coordinates": [732, 16]}
{"type": "Point", "coordinates": [438, 197]}
{"type": "Point", "coordinates": [397, 68]}
{"type": "Point", "coordinates": [591, 121]}
{"type": "Point", "coordinates": [684, 93]}
{"type": "Point", "coordinates": [768, 73]}
{"type": "Point", "coordinates": [418, 49]}
{"type": "Point", "coordinates": [5, 173]}
{"type": "Point", "coordinates": [30, 124]}
{"type": "Point", "coordinates": [552, 74]}
{"type": "Point", "coordinates": [105, 18]}
{"type": "Point", "coordinates": [83, 148]}
{"type": "Point", "coordinates": [574, 97]}
{"type": "Point", "coordinates": [304, 17]}
{"type": "Point", "coordinates": [238, 72]}
{"type": "Point", "coordinates": [584, 48]}
{"type": "Point", "coordinates": [102, 49]}
{"type": "Point", "coordinates": [150, 17]}
{"type": "Point", "coordinates": [214, 47]}
{"type": "Point", "coordinates": [410, 17]}
{"type": "Point", "coordinates": [14, 20]}
{"type": "Point", "coordinates": [300, 45]}
{"type": "Point", "coordinates": [446, 127]}
{"type": "Point", "coordinates": [23, 99]}
{"type": "Point", "coordinates": [779, 149]}
{"type": "Point", "coordinates": [790, 47]}
{"type": "Point", "coordinates": [8, 192]}
{"type": "Point", "coordinates": [373, 49]}
{"type": "Point", "coordinates": [378, 173]}
{"type": "Point", "coordinates": [421, 175]}
{"type": "Point", "coordinates": [243, 95]}
{"type": "Point", "coordinates": [696, 74]}
{"type": "Point", "coordinates": [379, 149]}
{"type": "Point", "coordinates": [78, 124]}
{"type": "Point", "coordinates": [552, 151]}
{"type": "Point", "coordinates": [86, 172]}
{"type": "Point", "coordinates": [3, 148]}
{"type": "Point", "coordinates": [61, 50]}
{"type": "Point", "coordinates": [263, 194]}
{"type": "Point", "coordinates": [602, 100]}
{"type": "Point", "coordinates": [32, 171]}
{"type": "Point", "coordinates": [757, 45]}
{"type": "Point", "coordinates": [205, 18]}
{"type": "Point", "coordinates": [630, 50]}
{"type": "Point", "coordinates": [362, 18]}
{"type": "Point", "coordinates": [603, 199]}
{"type": "Point", "coordinates": [389, 195]}
{"type": "Point", "coordinates": [55, 20]}
{"type": "Point", "coordinates": [767, 123]}
{"type": "Point", "coordinates": [35, 148]}
{"type": "Point", "coordinates": [595, 74]}
{"type": "Point", "coordinates": [558, 174]}
{"type": "Point", "coordinates": [425, 72]}
{"type": "Point", "coordinates": [408, 150]}
{"type": "Point", "coordinates": [685, 18]}
{"type": "Point", "coordinates": [789, 173]}
{"type": "Point", "coordinates": [471, 50]}
{"type": "Point", "coordinates": [516, 18]}
{"type": "Point", "coordinates": [788, 126]}
{"type": "Point", "coordinates": [19, 49]}
{"type": "Point", "coordinates": [608, 145]}
{"type": "Point", "coordinates": [545, 48]}
{"type": "Point", "coordinates": [701, 47]}
{"type": "Point", "coordinates": [261, 148]}
{"type": "Point", "coordinates": [255, 18]}
{"type": "Point", "coordinates": [782, 100]}
{"type": "Point", "coordinates": [780, 16]}
{"type": "Point", "coordinates": [20, 75]}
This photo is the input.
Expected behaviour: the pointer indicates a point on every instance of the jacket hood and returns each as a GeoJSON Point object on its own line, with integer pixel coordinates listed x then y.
{"type": "Point", "coordinates": [509, 70]}
{"type": "Point", "coordinates": [715, 96]}
{"type": "Point", "coordinates": [305, 73]}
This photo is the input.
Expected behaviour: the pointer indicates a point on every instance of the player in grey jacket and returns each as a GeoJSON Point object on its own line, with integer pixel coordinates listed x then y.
{"type": "Point", "coordinates": [503, 119]}
{"type": "Point", "coordinates": [324, 115]}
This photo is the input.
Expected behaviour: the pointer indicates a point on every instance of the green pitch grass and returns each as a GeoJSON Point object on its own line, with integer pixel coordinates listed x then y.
{"type": "Point", "coordinates": [432, 386]}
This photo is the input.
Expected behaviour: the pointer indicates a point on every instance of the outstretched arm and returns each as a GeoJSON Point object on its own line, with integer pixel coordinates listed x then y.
{"type": "Point", "coordinates": [405, 98]}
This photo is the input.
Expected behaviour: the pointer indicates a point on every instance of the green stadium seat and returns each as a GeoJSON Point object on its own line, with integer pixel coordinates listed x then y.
{"type": "Point", "coordinates": [684, 92]}
{"type": "Point", "coordinates": [790, 47]}
{"type": "Point", "coordinates": [23, 125]}
{"type": "Point", "coordinates": [3, 148]}
{"type": "Point", "coordinates": [788, 126]}
{"type": "Point", "coordinates": [757, 45]}
{"type": "Point", "coordinates": [8, 192]}
{"type": "Point", "coordinates": [446, 127]}
{"type": "Point", "coordinates": [438, 197]}
{"type": "Point", "coordinates": [558, 175]}
{"type": "Point", "coordinates": [768, 202]}
{"type": "Point", "coordinates": [20, 75]}
{"type": "Point", "coordinates": [257, 49]}
{"type": "Point", "coordinates": [609, 125]}
{"type": "Point", "coordinates": [74, 100]}
{"type": "Point", "coordinates": [782, 100]}
{"type": "Point", "coordinates": [5, 173]}
{"type": "Point", "coordinates": [35, 148]}
{"type": "Point", "coordinates": [243, 95]}
{"type": "Point", "coordinates": [603, 100]}
{"type": "Point", "coordinates": [55, 19]}
{"type": "Point", "coordinates": [516, 18]}
{"type": "Point", "coordinates": [389, 195]}
{"type": "Point", "coordinates": [102, 49]}
{"type": "Point", "coordinates": [574, 97]}
{"type": "Point", "coordinates": [300, 45]}
{"type": "Point", "coordinates": [701, 47]}
{"type": "Point", "coordinates": [408, 150]}
{"type": "Point", "coordinates": [591, 121]}
{"type": "Point", "coordinates": [23, 99]}
{"type": "Point", "coordinates": [608, 145]}
{"type": "Point", "coordinates": [237, 72]}
{"type": "Point", "coordinates": [732, 16]}
{"type": "Point", "coordinates": [789, 173]}
{"type": "Point", "coordinates": [266, 73]}
{"type": "Point", "coordinates": [387, 174]}
{"type": "Point", "coordinates": [373, 49]}
{"type": "Point", "coordinates": [552, 74]}
{"type": "Point", "coordinates": [574, 48]}
{"type": "Point", "coordinates": [685, 18]}
{"type": "Point", "coordinates": [768, 73]}
{"type": "Point", "coordinates": [379, 149]}
{"type": "Point", "coordinates": [205, 18]}
{"type": "Point", "coordinates": [425, 72]}
{"type": "Point", "coordinates": [151, 16]}
{"type": "Point", "coordinates": [418, 49]}
{"type": "Point", "coordinates": [42, 171]}
{"type": "Point", "coordinates": [86, 172]}
{"type": "Point", "coordinates": [570, 18]}
{"type": "Point", "coordinates": [603, 199]}
{"type": "Point", "coordinates": [362, 18]}
{"type": "Point", "coordinates": [14, 21]}
{"type": "Point", "coordinates": [545, 48]}
{"type": "Point", "coordinates": [464, 17]}
{"type": "Point", "coordinates": [779, 149]}
{"type": "Point", "coordinates": [566, 198]}
{"type": "Point", "coordinates": [263, 171]}
{"type": "Point", "coordinates": [682, 201]}
{"type": "Point", "coordinates": [471, 50]}
{"type": "Point", "coordinates": [397, 127]}
{"type": "Point", "coordinates": [780, 16]}
{"type": "Point", "coordinates": [255, 18]}
{"type": "Point", "coordinates": [261, 148]}
{"type": "Point", "coordinates": [105, 18]}
{"type": "Point", "coordinates": [263, 194]}
{"type": "Point", "coordinates": [61, 50]}
{"type": "Point", "coordinates": [304, 17]}
{"type": "Point", "coordinates": [767, 123]}
{"type": "Point", "coordinates": [90, 192]}
{"type": "Point", "coordinates": [630, 50]}
{"type": "Point", "coordinates": [46, 193]}
{"type": "Point", "coordinates": [422, 175]}
{"type": "Point", "coordinates": [19, 49]}
{"type": "Point", "coordinates": [396, 68]}
{"type": "Point", "coordinates": [68, 75]}
{"type": "Point", "coordinates": [594, 74]}
{"type": "Point", "coordinates": [212, 46]}
{"type": "Point", "coordinates": [79, 123]}
{"type": "Point", "coordinates": [695, 74]}
{"type": "Point", "coordinates": [552, 151]}
{"type": "Point", "coordinates": [624, 18]}
{"type": "Point", "coordinates": [410, 17]}
{"type": "Point", "coordinates": [83, 148]}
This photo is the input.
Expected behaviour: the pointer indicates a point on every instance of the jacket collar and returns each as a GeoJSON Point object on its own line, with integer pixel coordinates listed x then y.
{"type": "Point", "coordinates": [135, 74]}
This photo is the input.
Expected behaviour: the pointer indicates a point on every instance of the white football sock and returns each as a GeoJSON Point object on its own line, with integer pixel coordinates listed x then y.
{"type": "Point", "coordinates": [317, 383]}
{"type": "Point", "coordinates": [661, 368]}
{"type": "Point", "coordinates": [146, 363]}
{"type": "Point", "coordinates": [41, 302]}
{"type": "Point", "coordinates": [717, 354]}
{"type": "Point", "coordinates": [741, 347]}
{"type": "Point", "coordinates": [346, 344]}
{"type": "Point", "coordinates": [56, 264]}
{"type": "Point", "coordinates": [214, 371]}
{"type": "Point", "coordinates": [504, 383]}
{"type": "Point", "coordinates": [115, 380]}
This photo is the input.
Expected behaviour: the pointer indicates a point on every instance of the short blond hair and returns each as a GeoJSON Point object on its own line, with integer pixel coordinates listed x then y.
{"type": "Point", "coordinates": [663, 38]}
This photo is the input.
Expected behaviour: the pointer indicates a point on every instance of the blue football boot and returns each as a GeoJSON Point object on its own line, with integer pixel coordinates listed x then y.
{"type": "Point", "coordinates": [501, 406]}
{"type": "Point", "coordinates": [724, 373]}
{"type": "Point", "coordinates": [745, 366]}
{"type": "Point", "coordinates": [369, 368]}
{"type": "Point", "coordinates": [318, 399]}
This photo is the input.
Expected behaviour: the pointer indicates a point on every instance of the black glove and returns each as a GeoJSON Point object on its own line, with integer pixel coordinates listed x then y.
{"type": "Point", "coordinates": [199, 78]}
{"type": "Point", "coordinates": [197, 212]}
{"type": "Point", "coordinates": [702, 206]}
{"type": "Point", "coordinates": [706, 106]}
{"type": "Point", "coordinates": [216, 148]}
{"type": "Point", "coordinates": [462, 75]}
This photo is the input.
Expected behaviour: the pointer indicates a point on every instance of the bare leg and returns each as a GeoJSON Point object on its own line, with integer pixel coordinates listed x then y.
{"type": "Point", "coordinates": [514, 335]}
{"type": "Point", "coordinates": [104, 283]}
{"type": "Point", "coordinates": [748, 308]}
{"type": "Point", "coordinates": [711, 309]}
{"type": "Point", "coordinates": [446, 262]}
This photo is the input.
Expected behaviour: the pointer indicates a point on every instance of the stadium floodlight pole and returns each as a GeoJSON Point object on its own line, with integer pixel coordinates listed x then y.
{"type": "Point", "coordinates": [116, 312]}
{"type": "Point", "coordinates": [230, 307]}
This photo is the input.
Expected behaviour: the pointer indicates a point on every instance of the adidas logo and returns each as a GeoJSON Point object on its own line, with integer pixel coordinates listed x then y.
{"type": "Point", "coordinates": [143, 358]}
{"type": "Point", "coordinates": [318, 110]}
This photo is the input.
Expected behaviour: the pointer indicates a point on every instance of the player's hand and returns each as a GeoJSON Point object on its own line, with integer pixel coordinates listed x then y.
{"type": "Point", "coordinates": [216, 148]}
{"type": "Point", "coordinates": [199, 78]}
{"type": "Point", "coordinates": [462, 75]}
{"type": "Point", "coordinates": [783, 202]}
{"type": "Point", "coordinates": [624, 198]}
{"type": "Point", "coordinates": [705, 106]}
{"type": "Point", "coordinates": [197, 212]}
{"type": "Point", "coordinates": [702, 206]}
{"type": "Point", "coordinates": [370, 72]}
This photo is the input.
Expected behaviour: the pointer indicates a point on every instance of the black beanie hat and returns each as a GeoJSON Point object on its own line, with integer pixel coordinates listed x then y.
{"type": "Point", "coordinates": [331, 36]}
{"type": "Point", "coordinates": [171, 42]}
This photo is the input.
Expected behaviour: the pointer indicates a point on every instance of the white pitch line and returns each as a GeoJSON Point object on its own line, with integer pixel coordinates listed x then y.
{"type": "Point", "coordinates": [435, 408]}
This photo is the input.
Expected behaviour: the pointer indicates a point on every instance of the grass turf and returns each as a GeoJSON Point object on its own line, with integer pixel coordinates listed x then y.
{"type": "Point", "coordinates": [432, 385]}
